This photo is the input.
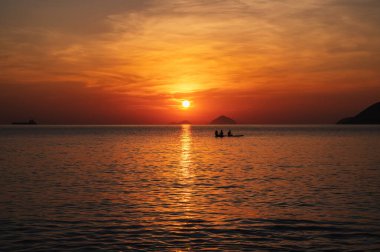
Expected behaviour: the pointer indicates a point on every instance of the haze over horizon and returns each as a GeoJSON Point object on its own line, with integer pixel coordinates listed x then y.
{"type": "Point", "coordinates": [134, 62]}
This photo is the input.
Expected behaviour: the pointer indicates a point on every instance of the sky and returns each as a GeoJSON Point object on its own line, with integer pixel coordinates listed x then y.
{"type": "Point", "coordinates": [135, 61]}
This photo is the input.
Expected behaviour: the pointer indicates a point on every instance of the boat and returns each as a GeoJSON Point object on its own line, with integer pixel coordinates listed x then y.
{"type": "Point", "coordinates": [229, 136]}
{"type": "Point", "coordinates": [217, 134]}
{"type": "Point", "coordinates": [30, 122]}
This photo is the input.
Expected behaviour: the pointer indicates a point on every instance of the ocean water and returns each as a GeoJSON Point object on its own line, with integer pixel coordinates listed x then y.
{"type": "Point", "coordinates": [177, 188]}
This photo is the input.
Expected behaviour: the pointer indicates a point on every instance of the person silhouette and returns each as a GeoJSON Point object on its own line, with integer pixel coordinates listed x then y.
{"type": "Point", "coordinates": [221, 133]}
{"type": "Point", "coordinates": [229, 133]}
{"type": "Point", "coordinates": [216, 133]}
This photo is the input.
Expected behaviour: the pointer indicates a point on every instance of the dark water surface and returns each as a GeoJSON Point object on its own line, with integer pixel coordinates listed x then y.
{"type": "Point", "coordinates": [174, 188]}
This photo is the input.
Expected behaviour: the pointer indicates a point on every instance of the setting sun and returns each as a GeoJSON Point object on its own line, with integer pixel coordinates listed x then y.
{"type": "Point", "coordinates": [185, 104]}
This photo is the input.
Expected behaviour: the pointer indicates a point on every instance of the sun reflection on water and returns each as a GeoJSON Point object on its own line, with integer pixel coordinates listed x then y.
{"type": "Point", "coordinates": [185, 164]}
{"type": "Point", "coordinates": [185, 173]}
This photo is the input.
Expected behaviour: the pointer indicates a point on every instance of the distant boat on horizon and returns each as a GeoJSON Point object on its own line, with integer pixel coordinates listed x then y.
{"type": "Point", "coordinates": [30, 122]}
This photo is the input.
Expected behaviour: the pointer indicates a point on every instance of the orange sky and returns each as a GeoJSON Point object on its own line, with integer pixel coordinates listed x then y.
{"type": "Point", "coordinates": [131, 62]}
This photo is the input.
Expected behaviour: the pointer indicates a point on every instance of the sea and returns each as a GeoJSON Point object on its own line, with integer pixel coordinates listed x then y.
{"type": "Point", "coordinates": [178, 188]}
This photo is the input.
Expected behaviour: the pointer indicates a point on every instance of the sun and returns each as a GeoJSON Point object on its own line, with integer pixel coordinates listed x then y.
{"type": "Point", "coordinates": [185, 104]}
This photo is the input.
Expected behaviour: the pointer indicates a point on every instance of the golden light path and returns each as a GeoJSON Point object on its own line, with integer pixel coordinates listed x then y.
{"type": "Point", "coordinates": [185, 171]}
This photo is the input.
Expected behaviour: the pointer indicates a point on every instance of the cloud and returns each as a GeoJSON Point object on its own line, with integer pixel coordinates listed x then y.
{"type": "Point", "coordinates": [80, 17]}
{"type": "Point", "coordinates": [160, 49]}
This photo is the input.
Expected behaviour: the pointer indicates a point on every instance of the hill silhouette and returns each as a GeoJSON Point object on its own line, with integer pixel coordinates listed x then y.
{"type": "Point", "coordinates": [223, 120]}
{"type": "Point", "coordinates": [370, 115]}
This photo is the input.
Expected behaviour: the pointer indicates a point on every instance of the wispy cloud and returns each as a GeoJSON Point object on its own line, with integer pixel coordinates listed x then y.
{"type": "Point", "coordinates": [169, 48]}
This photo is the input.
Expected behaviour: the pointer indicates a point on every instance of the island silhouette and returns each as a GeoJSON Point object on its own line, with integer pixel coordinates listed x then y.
{"type": "Point", "coordinates": [370, 115]}
{"type": "Point", "coordinates": [223, 120]}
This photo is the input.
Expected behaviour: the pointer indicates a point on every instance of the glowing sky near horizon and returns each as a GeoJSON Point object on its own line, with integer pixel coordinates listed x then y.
{"type": "Point", "coordinates": [115, 61]}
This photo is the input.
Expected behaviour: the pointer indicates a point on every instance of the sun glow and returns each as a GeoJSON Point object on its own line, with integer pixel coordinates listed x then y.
{"type": "Point", "coordinates": [185, 104]}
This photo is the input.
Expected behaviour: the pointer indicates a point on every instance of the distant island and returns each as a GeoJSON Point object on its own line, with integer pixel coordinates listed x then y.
{"type": "Point", "coordinates": [223, 120]}
{"type": "Point", "coordinates": [181, 122]}
{"type": "Point", "coordinates": [30, 122]}
{"type": "Point", "coordinates": [370, 115]}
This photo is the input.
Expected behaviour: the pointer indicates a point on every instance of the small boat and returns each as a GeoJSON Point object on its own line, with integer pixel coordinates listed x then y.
{"type": "Point", "coordinates": [229, 136]}
{"type": "Point", "coordinates": [217, 134]}
{"type": "Point", "coordinates": [30, 122]}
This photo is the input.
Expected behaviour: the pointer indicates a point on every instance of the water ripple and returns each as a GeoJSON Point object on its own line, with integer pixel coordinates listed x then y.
{"type": "Point", "coordinates": [109, 188]}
